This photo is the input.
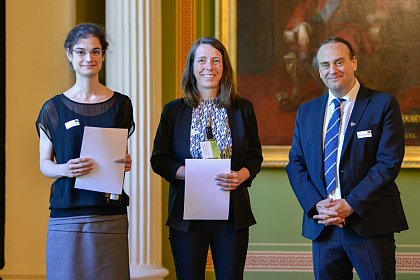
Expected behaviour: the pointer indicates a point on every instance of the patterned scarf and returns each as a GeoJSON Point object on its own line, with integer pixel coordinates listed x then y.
{"type": "Point", "coordinates": [206, 114]}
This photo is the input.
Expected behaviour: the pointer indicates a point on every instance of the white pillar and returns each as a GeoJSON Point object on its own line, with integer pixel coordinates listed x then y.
{"type": "Point", "coordinates": [134, 68]}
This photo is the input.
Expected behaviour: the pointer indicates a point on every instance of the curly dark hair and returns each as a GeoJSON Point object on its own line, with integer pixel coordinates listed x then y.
{"type": "Point", "coordinates": [86, 30]}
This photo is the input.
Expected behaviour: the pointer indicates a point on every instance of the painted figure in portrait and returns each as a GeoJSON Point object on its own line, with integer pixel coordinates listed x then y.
{"type": "Point", "coordinates": [276, 44]}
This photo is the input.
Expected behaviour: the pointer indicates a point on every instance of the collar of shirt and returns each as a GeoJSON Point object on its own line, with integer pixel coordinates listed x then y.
{"type": "Point", "coordinates": [350, 96]}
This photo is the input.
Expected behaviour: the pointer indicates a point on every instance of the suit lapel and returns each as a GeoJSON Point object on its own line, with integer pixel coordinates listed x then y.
{"type": "Point", "coordinates": [360, 104]}
{"type": "Point", "coordinates": [184, 130]}
{"type": "Point", "coordinates": [314, 128]}
{"type": "Point", "coordinates": [231, 113]}
{"type": "Point", "coordinates": [317, 131]}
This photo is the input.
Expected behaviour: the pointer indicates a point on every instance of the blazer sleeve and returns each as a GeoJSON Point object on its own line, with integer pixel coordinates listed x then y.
{"type": "Point", "coordinates": [254, 158]}
{"type": "Point", "coordinates": [389, 156]}
{"type": "Point", "coordinates": [298, 173]}
{"type": "Point", "coordinates": [162, 160]}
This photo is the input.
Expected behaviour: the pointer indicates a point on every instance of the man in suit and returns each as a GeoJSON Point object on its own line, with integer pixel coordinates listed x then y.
{"type": "Point", "coordinates": [351, 204]}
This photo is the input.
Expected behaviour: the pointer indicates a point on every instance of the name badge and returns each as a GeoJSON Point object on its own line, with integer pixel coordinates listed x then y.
{"type": "Point", "coordinates": [209, 149]}
{"type": "Point", "coordinates": [206, 150]}
{"type": "Point", "coordinates": [364, 134]}
{"type": "Point", "coordinates": [72, 123]}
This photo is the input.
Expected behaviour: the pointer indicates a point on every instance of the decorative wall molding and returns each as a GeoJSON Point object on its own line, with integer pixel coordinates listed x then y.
{"type": "Point", "coordinates": [302, 261]}
{"type": "Point", "coordinates": [185, 18]}
{"type": "Point", "coordinates": [279, 261]}
{"type": "Point", "coordinates": [408, 262]}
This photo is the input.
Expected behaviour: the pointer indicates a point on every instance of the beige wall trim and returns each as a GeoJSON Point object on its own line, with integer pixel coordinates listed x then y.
{"type": "Point", "coordinates": [35, 72]}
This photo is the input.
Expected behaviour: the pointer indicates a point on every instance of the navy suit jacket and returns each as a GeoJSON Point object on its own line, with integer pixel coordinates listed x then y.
{"type": "Point", "coordinates": [172, 146]}
{"type": "Point", "coordinates": [368, 166]}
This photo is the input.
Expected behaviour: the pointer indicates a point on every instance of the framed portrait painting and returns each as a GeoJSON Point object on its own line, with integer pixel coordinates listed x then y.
{"type": "Point", "coordinates": [273, 42]}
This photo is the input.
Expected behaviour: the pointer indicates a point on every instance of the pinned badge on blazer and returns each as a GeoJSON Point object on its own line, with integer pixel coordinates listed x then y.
{"type": "Point", "coordinates": [352, 124]}
{"type": "Point", "coordinates": [364, 134]}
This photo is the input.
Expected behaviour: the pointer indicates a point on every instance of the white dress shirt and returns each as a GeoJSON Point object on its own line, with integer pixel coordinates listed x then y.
{"type": "Point", "coordinates": [346, 108]}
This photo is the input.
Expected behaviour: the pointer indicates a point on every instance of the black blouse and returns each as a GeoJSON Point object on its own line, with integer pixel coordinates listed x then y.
{"type": "Point", "coordinates": [63, 121]}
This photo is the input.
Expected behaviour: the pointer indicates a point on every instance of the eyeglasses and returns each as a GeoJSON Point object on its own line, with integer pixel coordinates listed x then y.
{"type": "Point", "coordinates": [83, 52]}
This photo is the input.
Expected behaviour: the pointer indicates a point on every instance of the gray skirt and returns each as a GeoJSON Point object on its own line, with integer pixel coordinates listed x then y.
{"type": "Point", "coordinates": [88, 247]}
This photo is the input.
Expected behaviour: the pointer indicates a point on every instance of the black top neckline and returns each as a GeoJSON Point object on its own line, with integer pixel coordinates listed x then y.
{"type": "Point", "coordinates": [76, 102]}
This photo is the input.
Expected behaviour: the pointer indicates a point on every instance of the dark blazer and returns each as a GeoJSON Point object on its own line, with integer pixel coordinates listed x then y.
{"type": "Point", "coordinates": [368, 166]}
{"type": "Point", "coordinates": [172, 146]}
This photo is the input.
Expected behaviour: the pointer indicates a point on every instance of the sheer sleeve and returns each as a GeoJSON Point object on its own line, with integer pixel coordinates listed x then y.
{"type": "Point", "coordinates": [128, 116]}
{"type": "Point", "coordinates": [47, 119]}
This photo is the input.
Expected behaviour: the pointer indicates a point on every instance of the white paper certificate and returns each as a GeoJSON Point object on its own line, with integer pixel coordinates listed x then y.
{"type": "Point", "coordinates": [204, 200]}
{"type": "Point", "coordinates": [104, 145]}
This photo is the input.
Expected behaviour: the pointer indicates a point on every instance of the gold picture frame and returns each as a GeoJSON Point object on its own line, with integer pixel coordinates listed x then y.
{"type": "Point", "coordinates": [226, 31]}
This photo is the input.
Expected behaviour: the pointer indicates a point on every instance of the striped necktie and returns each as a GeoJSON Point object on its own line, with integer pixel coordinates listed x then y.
{"type": "Point", "coordinates": [331, 147]}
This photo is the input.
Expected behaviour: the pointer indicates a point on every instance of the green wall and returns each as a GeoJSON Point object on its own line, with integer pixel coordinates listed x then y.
{"type": "Point", "coordinates": [274, 204]}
